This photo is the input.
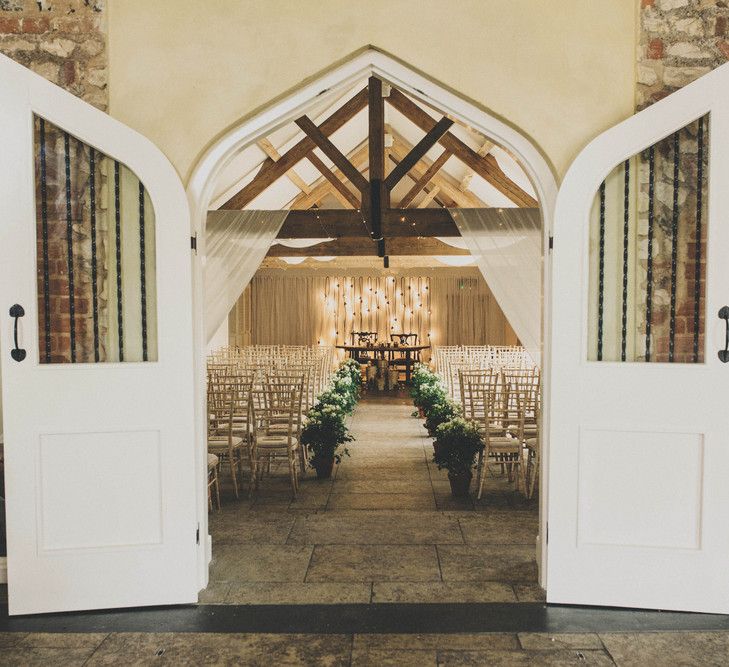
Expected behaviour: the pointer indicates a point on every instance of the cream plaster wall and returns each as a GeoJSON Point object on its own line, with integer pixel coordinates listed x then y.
{"type": "Point", "coordinates": [183, 71]}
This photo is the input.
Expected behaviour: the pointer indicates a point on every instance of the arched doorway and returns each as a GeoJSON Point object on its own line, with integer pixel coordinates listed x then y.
{"type": "Point", "coordinates": [329, 86]}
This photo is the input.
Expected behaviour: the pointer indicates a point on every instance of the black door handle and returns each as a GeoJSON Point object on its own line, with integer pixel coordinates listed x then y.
{"type": "Point", "coordinates": [724, 315]}
{"type": "Point", "coordinates": [17, 311]}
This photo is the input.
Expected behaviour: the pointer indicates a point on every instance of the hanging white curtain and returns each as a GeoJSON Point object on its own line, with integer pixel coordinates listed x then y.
{"type": "Point", "coordinates": [236, 243]}
{"type": "Point", "coordinates": [300, 243]}
{"type": "Point", "coordinates": [507, 246]}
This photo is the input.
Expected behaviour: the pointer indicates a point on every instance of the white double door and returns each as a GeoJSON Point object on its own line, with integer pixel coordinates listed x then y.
{"type": "Point", "coordinates": [100, 470]}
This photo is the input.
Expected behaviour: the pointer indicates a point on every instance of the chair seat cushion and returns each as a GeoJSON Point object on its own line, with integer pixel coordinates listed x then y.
{"type": "Point", "coordinates": [212, 461]}
{"type": "Point", "coordinates": [274, 441]}
{"type": "Point", "coordinates": [497, 445]}
{"type": "Point", "coordinates": [218, 443]}
{"type": "Point", "coordinates": [532, 443]}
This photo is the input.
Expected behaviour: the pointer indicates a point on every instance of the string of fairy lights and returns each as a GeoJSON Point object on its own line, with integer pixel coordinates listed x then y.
{"type": "Point", "coordinates": [386, 304]}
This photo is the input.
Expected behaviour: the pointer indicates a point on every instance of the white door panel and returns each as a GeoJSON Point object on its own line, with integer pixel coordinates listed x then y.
{"type": "Point", "coordinates": [639, 453]}
{"type": "Point", "coordinates": [99, 457]}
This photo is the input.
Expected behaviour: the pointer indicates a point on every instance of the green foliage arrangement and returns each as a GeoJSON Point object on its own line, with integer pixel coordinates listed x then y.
{"type": "Point", "coordinates": [325, 432]}
{"type": "Point", "coordinates": [458, 443]}
{"type": "Point", "coordinates": [439, 413]}
{"type": "Point", "coordinates": [427, 388]}
{"type": "Point", "coordinates": [326, 429]}
{"type": "Point", "coordinates": [427, 394]}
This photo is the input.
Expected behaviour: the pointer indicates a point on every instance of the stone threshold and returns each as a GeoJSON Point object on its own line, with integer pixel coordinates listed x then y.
{"type": "Point", "coordinates": [368, 618]}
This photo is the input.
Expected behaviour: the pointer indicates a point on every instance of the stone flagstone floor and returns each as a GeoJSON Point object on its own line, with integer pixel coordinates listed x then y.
{"type": "Point", "coordinates": [155, 648]}
{"type": "Point", "coordinates": [384, 529]}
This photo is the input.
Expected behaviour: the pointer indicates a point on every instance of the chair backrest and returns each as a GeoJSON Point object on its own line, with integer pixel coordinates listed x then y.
{"type": "Point", "coordinates": [279, 404]}
{"type": "Point", "coordinates": [405, 338]}
{"type": "Point", "coordinates": [475, 385]}
{"type": "Point", "coordinates": [364, 337]}
{"type": "Point", "coordinates": [220, 409]}
{"type": "Point", "coordinates": [491, 419]}
{"type": "Point", "coordinates": [526, 379]}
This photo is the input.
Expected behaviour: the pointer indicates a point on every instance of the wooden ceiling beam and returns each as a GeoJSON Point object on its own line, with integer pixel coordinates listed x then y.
{"type": "Point", "coordinates": [486, 167]}
{"type": "Point", "coordinates": [423, 181]}
{"type": "Point", "coordinates": [338, 188]}
{"type": "Point", "coordinates": [418, 152]}
{"type": "Point", "coordinates": [333, 153]}
{"type": "Point", "coordinates": [321, 223]}
{"type": "Point", "coordinates": [483, 151]}
{"type": "Point", "coordinates": [271, 170]}
{"type": "Point", "coordinates": [449, 196]}
{"type": "Point", "coordinates": [378, 195]}
{"type": "Point", "coordinates": [352, 247]}
{"type": "Point", "coordinates": [270, 150]}
{"type": "Point", "coordinates": [429, 197]}
{"type": "Point", "coordinates": [322, 187]}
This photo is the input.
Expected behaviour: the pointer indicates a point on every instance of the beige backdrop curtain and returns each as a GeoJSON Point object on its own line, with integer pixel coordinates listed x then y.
{"type": "Point", "coordinates": [291, 308]}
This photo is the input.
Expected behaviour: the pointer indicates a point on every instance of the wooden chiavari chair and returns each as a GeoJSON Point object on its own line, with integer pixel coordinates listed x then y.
{"type": "Point", "coordinates": [213, 481]}
{"type": "Point", "coordinates": [297, 378]}
{"type": "Point", "coordinates": [503, 448]}
{"type": "Point", "coordinates": [275, 408]}
{"type": "Point", "coordinates": [221, 441]}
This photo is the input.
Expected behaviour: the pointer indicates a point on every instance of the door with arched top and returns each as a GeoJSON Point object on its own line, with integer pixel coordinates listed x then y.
{"type": "Point", "coordinates": [639, 454]}
{"type": "Point", "coordinates": [96, 344]}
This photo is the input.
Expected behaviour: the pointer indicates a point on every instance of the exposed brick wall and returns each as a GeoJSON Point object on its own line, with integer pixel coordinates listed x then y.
{"type": "Point", "coordinates": [62, 40]}
{"type": "Point", "coordinates": [679, 41]}
{"type": "Point", "coordinates": [59, 324]}
{"type": "Point", "coordinates": [65, 42]}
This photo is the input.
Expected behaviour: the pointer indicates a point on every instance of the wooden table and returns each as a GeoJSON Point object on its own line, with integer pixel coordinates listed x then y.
{"type": "Point", "coordinates": [386, 351]}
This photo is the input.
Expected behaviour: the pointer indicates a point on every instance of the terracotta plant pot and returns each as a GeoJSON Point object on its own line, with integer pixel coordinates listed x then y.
{"type": "Point", "coordinates": [421, 413]}
{"type": "Point", "coordinates": [460, 483]}
{"type": "Point", "coordinates": [323, 466]}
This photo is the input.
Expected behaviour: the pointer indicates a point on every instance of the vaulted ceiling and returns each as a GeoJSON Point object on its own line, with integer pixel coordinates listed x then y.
{"type": "Point", "coordinates": [376, 170]}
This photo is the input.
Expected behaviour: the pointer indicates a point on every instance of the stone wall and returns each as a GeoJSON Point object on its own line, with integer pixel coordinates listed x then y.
{"type": "Point", "coordinates": [679, 41]}
{"type": "Point", "coordinates": [65, 42]}
{"type": "Point", "coordinates": [62, 40]}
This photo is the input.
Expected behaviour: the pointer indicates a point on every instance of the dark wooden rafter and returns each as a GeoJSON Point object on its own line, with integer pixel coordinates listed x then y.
{"type": "Point", "coordinates": [332, 178]}
{"type": "Point", "coordinates": [321, 187]}
{"type": "Point", "coordinates": [423, 181]}
{"type": "Point", "coordinates": [333, 153]}
{"type": "Point", "coordinates": [442, 199]}
{"type": "Point", "coordinates": [371, 226]}
{"type": "Point", "coordinates": [378, 199]}
{"type": "Point", "coordinates": [272, 170]}
{"type": "Point", "coordinates": [486, 167]}
{"type": "Point", "coordinates": [418, 152]}
{"type": "Point", "coordinates": [333, 223]}
{"type": "Point", "coordinates": [352, 246]}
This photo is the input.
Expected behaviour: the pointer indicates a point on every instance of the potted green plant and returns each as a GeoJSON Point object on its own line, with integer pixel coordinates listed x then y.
{"type": "Point", "coordinates": [440, 412]}
{"type": "Point", "coordinates": [324, 434]}
{"type": "Point", "coordinates": [427, 395]}
{"type": "Point", "coordinates": [421, 376]}
{"type": "Point", "coordinates": [459, 443]}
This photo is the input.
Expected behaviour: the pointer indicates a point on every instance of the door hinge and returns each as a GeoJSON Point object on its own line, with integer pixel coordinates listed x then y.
{"type": "Point", "coordinates": [551, 242]}
{"type": "Point", "coordinates": [193, 243]}
{"type": "Point", "coordinates": [197, 535]}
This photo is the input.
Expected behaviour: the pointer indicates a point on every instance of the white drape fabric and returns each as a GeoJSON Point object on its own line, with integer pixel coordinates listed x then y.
{"type": "Point", "coordinates": [236, 243]}
{"type": "Point", "coordinates": [300, 243]}
{"type": "Point", "coordinates": [507, 246]}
